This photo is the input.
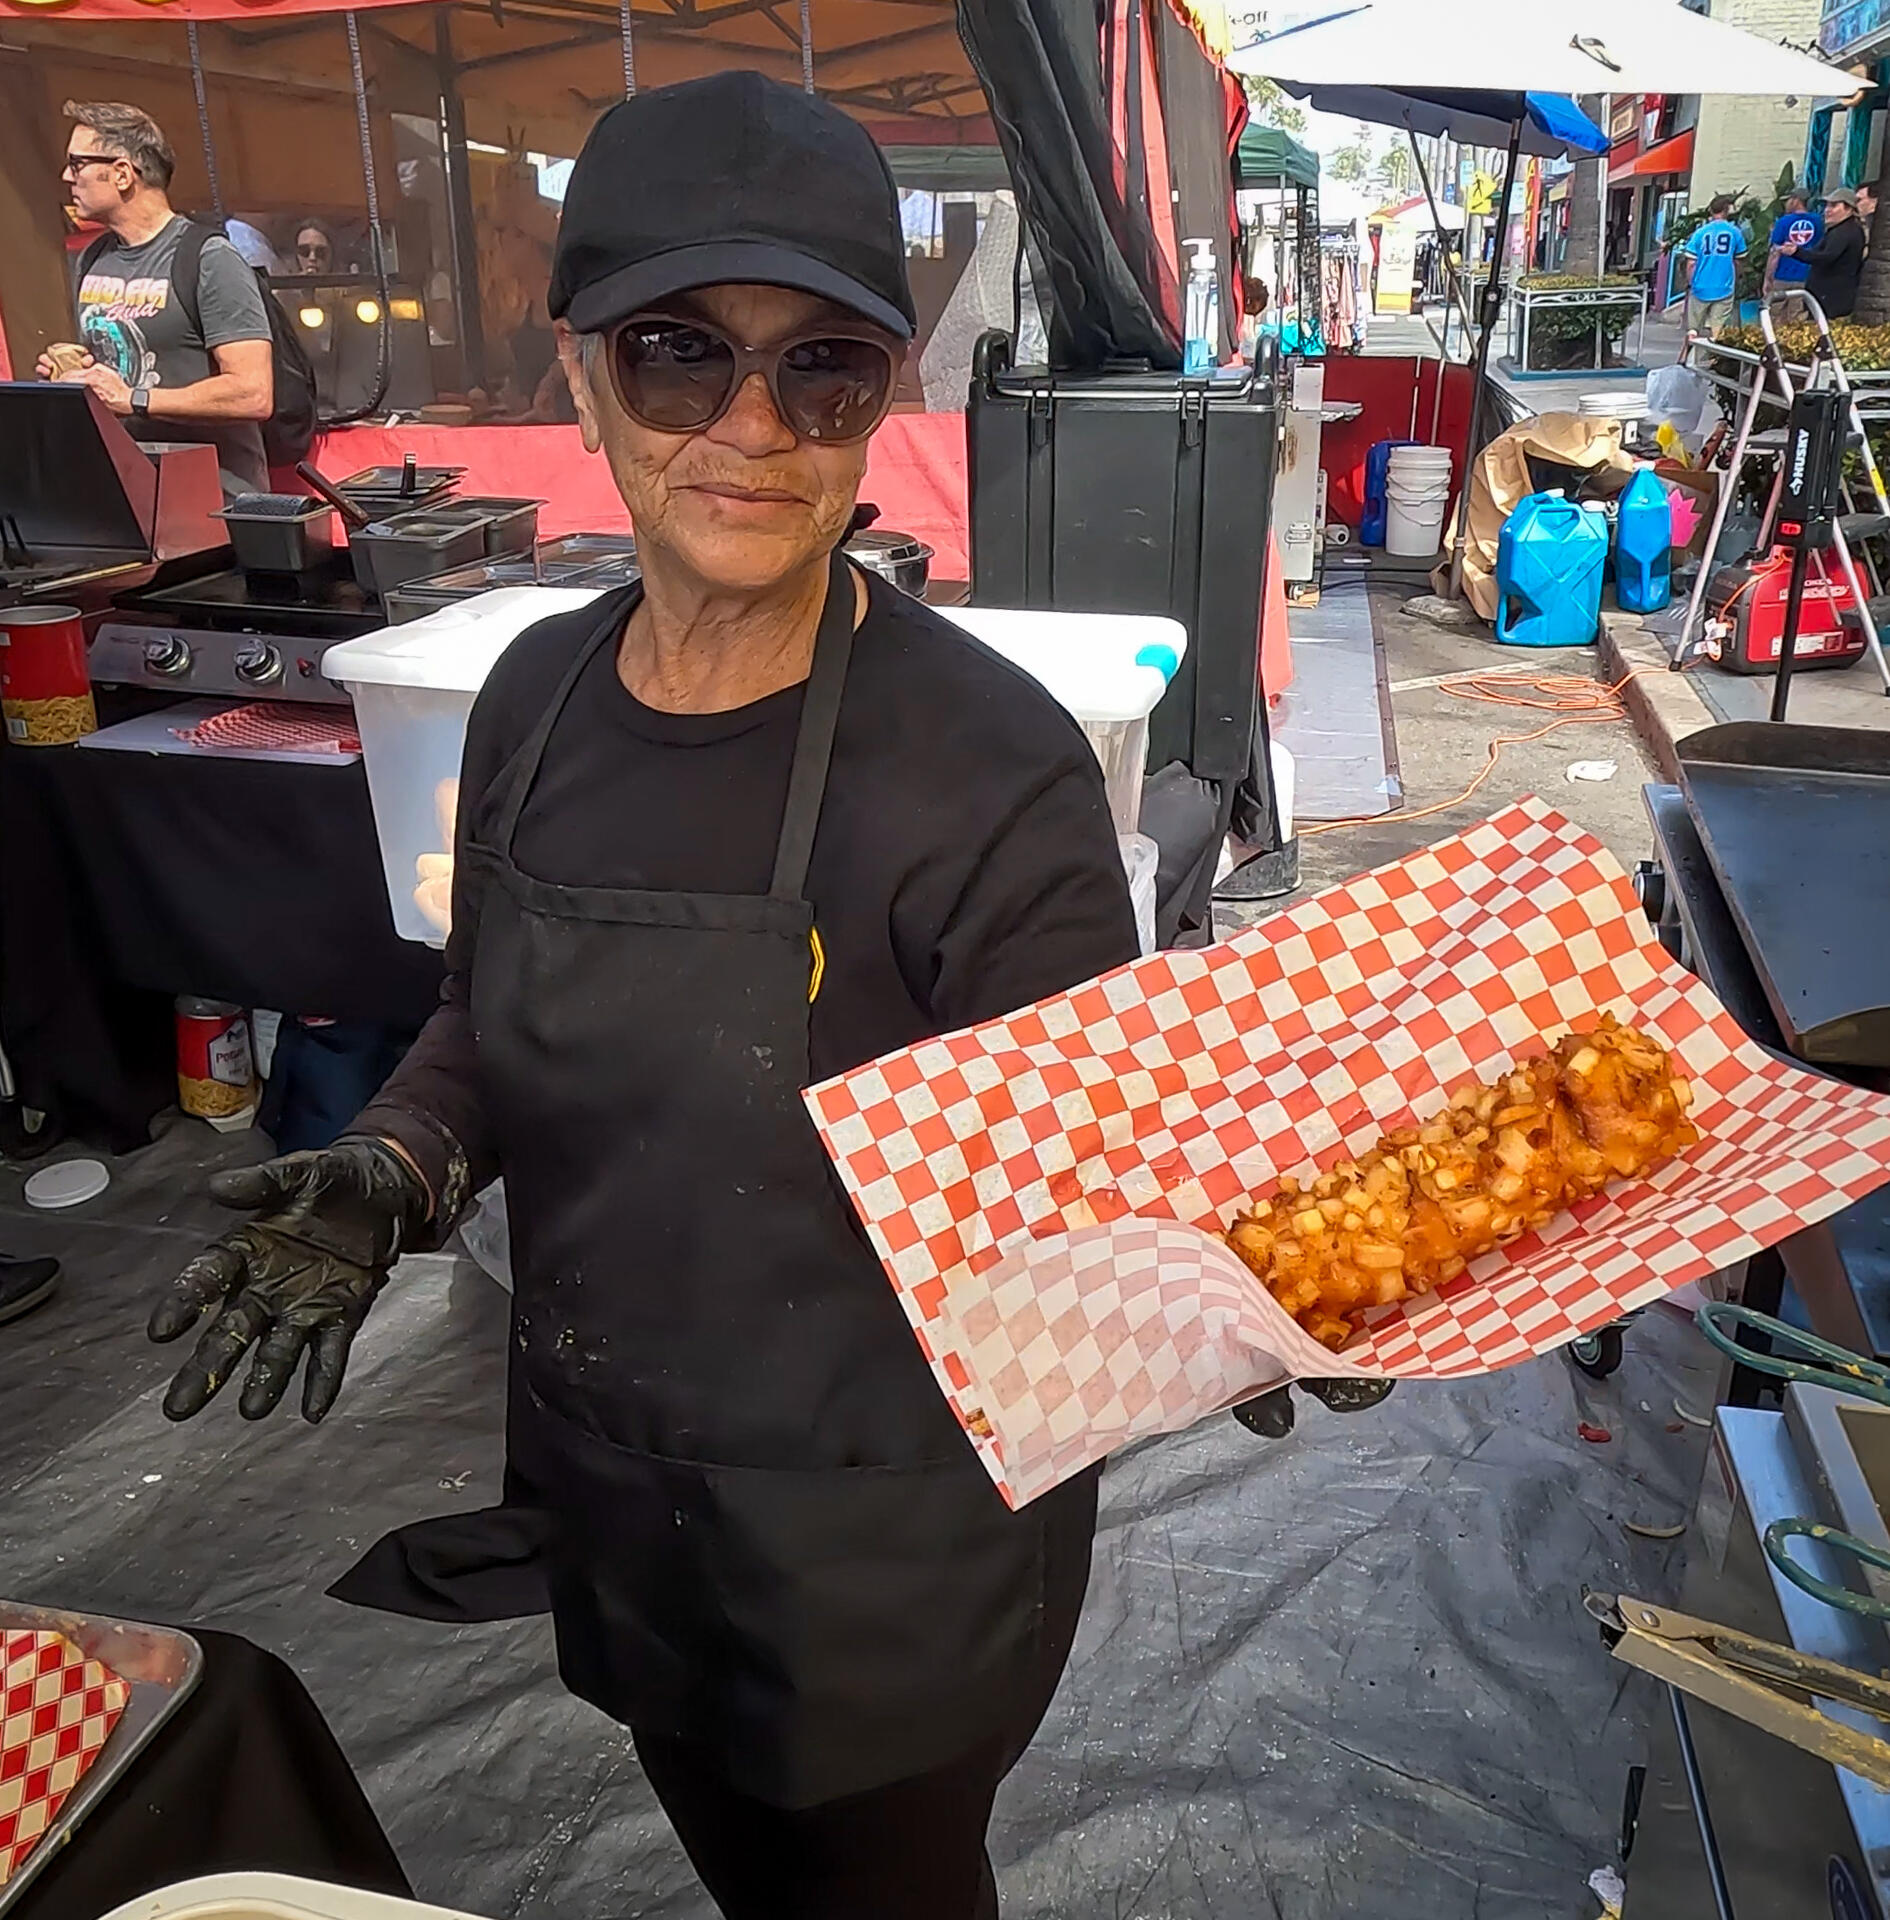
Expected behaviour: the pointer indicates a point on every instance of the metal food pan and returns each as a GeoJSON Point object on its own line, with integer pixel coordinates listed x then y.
{"type": "Point", "coordinates": [160, 1665]}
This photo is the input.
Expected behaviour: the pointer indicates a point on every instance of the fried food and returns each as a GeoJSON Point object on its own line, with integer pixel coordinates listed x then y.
{"type": "Point", "coordinates": [1498, 1162]}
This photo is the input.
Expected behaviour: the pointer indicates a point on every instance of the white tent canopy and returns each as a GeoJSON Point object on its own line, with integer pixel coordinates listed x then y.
{"type": "Point", "coordinates": [1585, 46]}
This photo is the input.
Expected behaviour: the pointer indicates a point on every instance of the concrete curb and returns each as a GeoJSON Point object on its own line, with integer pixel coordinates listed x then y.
{"type": "Point", "coordinates": [1663, 706]}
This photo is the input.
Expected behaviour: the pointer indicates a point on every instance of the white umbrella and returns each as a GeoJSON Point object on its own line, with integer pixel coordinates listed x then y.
{"type": "Point", "coordinates": [1585, 46]}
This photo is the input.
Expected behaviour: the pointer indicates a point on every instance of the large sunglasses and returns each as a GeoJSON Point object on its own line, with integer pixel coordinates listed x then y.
{"type": "Point", "coordinates": [681, 375]}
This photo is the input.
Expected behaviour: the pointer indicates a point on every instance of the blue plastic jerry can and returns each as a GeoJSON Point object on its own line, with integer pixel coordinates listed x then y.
{"type": "Point", "coordinates": [1548, 573]}
{"type": "Point", "coordinates": [1371, 526]}
{"type": "Point", "coordinates": [1643, 545]}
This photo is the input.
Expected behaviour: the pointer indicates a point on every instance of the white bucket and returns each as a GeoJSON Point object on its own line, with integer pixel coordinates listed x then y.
{"type": "Point", "coordinates": [1417, 493]}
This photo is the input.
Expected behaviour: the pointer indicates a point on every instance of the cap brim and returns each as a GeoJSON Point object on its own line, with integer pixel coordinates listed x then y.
{"type": "Point", "coordinates": [633, 289]}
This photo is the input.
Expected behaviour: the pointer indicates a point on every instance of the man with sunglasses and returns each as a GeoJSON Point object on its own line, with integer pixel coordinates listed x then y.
{"type": "Point", "coordinates": [172, 365]}
{"type": "Point", "coordinates": [721, 835]}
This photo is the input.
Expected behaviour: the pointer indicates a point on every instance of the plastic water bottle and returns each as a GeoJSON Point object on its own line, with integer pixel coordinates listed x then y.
{"type": "Point", "coordinates": [1202, 326]}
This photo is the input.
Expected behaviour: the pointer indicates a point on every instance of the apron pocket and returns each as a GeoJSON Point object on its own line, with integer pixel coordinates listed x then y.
{"type": "Point", "coordinates": [820, 1631]}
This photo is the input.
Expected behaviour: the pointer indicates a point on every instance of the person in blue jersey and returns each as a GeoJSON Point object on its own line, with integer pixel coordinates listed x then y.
{"type": "Point", "coordinates": [1713, 253]}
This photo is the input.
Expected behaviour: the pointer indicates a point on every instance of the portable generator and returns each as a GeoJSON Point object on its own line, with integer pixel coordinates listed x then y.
{"type": "Point", "coordinates": [1745, 616]}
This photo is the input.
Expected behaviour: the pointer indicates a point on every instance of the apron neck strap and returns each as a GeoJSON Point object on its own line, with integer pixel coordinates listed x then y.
{"type": "Point", "coordinates": [813, 748]}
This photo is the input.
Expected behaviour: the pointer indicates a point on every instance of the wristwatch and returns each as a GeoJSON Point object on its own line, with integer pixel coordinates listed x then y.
{"type": "Point", "coordinates": [141, 403]}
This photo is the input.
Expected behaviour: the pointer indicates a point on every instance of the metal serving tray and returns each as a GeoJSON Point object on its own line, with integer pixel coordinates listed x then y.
{"type": "Point", "coordinates": [160, 1665]}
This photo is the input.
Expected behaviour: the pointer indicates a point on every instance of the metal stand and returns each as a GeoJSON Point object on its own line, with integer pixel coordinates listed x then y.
{"type": "Point", "coordinates": [1827, 367]}
{"type": "Point", "coordinates": [1489, 308]}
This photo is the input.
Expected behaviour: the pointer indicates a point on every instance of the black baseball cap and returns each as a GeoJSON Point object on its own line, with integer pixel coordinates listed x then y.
{"type": "Point", "coordinates": [729, 179]}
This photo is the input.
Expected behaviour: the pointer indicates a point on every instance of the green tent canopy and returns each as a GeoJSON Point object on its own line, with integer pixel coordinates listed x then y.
{"type": "Point", "coordinates": [1267, 157]}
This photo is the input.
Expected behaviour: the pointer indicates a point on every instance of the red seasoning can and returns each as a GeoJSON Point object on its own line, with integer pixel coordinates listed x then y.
{"type": "Point", "coordinates": [216, 1066]}
{"type": "Point", "coordinates": [45, 687]}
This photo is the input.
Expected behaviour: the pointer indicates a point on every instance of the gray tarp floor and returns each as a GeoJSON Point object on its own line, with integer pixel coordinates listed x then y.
{"type": "Point", "coordinates": [1341, 1675]}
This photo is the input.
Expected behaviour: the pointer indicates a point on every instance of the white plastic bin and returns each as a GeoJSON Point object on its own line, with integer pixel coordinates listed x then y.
{"type": "Point", "coordinates": [413, 687]}
{"type": "Point", "coordinates": [1108, 669]}
{"type": "Point", "coordinates": [272, 1896]}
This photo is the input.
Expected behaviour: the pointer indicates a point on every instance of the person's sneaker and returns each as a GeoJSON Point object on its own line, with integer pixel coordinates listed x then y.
{"type": "Point", "coordinates": [24, 1285]}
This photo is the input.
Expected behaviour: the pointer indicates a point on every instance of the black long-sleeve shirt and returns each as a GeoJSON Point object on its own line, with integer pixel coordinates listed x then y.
{"type": "Point", "coordinates": [966, 863]}
{"type": "Point", "coordinates": [1837, 263]}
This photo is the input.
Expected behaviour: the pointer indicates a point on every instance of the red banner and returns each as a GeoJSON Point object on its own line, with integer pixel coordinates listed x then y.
{"type": "Point", "coordinates": [177, 9]}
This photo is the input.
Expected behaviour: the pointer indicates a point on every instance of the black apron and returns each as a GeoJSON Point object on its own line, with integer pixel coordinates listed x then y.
{"type": "Point", "coordinates": [769, 1538]}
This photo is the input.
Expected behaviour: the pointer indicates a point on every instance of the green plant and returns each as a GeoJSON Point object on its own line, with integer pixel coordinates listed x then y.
{"type": "Point", "coordinates": [1353, 162]}
{"type": "Point", "coordinates": [1272, 107]}
{"type": "Point", "coordinates": [1564, 336]}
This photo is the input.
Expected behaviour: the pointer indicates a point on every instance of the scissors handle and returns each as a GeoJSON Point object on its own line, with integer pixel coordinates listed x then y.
{"type": "Point", "coordinates": [1824, 1364]}
{"type": "Point", "coordinates": [1833, 1595]}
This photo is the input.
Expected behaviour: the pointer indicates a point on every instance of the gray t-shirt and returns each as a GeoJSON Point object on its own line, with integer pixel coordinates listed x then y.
{"type": "Point", "coordinates": [130, 322]}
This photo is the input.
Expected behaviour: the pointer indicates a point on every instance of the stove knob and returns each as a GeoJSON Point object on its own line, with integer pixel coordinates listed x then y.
{"type": "Point", "coordinates": [168, 655]}
{"type": "Point", "coordinates": [257, 662]}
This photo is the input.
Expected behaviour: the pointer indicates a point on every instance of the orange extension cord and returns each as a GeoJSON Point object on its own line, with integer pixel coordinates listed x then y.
{"type": "Point", "coordinates": [1576, 700]}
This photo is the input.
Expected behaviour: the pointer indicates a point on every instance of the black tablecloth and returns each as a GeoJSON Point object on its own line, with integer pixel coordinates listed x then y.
{"type": "Point", "coordinates": [127, 878]}
{"type": "Point", "coordinates": [245, 1778]}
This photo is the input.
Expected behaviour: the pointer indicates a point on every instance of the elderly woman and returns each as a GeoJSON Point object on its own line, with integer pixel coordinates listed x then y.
{"type": "Point", "coordinates": [721, 835]}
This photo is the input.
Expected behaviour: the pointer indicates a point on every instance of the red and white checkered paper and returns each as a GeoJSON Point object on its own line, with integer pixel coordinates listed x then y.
{"type": "Point", "coordinates": [279, 726]}
{"type": "Point", "coordinates": [57, 1708]}
{"type": "Point", "coordinates": [1037, 1187]}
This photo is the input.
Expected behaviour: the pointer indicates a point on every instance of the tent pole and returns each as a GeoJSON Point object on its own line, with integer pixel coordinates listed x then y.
{"type": "Point", "coordinates": [459, 206]}
{"type": "Point", "coordinates": [203, 123]}
{"type": "Point", "coordinates": [1492, 305]}
{"type": "Point", "coordinates": [1451, 256]}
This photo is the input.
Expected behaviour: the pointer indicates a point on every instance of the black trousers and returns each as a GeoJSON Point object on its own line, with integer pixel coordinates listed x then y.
{"type": "Point", "coordinates": [913, 1850]}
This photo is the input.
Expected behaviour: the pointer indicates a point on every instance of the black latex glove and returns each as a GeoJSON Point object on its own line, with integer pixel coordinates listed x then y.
{"type": "Point", "coordinates": [1271, 1414]}
{"type": "Point", "coordinates": [301, 1275]}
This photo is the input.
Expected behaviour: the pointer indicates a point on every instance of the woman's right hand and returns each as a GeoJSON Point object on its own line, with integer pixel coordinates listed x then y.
{"type": "Point", "coordinates": [300, 1276]}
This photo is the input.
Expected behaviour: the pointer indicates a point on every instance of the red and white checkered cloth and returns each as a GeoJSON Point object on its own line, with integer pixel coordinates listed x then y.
{"type": "Point", "coordinates": [1037, 1186]}
{"type": "Point", "coordinates": [57, 1709]}
{"type": "Point", "coordinates": [278, 725]}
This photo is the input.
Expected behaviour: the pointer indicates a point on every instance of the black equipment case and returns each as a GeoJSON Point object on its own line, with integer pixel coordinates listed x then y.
{"type": "Point", "coordinates": [1136, 491]}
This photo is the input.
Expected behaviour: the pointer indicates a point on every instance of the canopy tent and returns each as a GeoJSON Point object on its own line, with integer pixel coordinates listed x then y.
{"type": "Point", "coordinates": [1442, 53]}
{"type": "Point", "coordinates": [1551, 125]}
{"type": "Point", "coordinates": [467, 92]}
{"type": "Point", "coordinates": [1588, 46]}
{"type": "Point", "coordinates": [1271, 157]}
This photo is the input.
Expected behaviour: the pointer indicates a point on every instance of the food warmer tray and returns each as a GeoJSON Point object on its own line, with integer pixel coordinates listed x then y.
{"type": "Point", "coordinates": [160, 1665]}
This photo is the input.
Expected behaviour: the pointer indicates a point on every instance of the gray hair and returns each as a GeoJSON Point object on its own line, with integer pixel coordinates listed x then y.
{"type": "Point", "coordinates": [128, 133]}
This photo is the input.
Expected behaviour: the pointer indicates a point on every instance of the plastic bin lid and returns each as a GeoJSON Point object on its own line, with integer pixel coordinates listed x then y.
{"type": "Point", "coordinates": [1106, 668]}
{"type": "Point", "coordinates": [272, 1896]}
{"type": "Point", "coordinates": [450, 651]}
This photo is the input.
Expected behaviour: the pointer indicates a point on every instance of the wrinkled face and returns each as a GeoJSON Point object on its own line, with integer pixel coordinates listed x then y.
{"type": "Point", "coordinates": [312, 251]}
{"type": "Point", "coordinates": [98, 186]}
{"type": "Point", "coordinates": [744, 503]}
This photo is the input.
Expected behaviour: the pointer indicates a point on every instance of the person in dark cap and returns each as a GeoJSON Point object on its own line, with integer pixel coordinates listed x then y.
{"type": "Point", "coordinates": [720, 835]}
{"type": "Point", "coordinates": [1836, 257]}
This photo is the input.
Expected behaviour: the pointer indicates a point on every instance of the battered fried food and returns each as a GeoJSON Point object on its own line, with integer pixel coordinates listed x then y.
{"type": "Point", "coordinates": [1497, 1162]}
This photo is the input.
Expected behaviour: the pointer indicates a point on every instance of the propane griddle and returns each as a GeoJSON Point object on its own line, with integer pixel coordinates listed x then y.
{"type": "Point", "coordinates": [84, 508]}
{"type": "Point", "coordinates": [326, 604]}
{"type": "Point", "coordinates": [1796, 824]}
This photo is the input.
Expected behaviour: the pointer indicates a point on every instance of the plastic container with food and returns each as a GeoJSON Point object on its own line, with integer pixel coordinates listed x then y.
{"type": "Point", "coordinates": [413, 687]}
